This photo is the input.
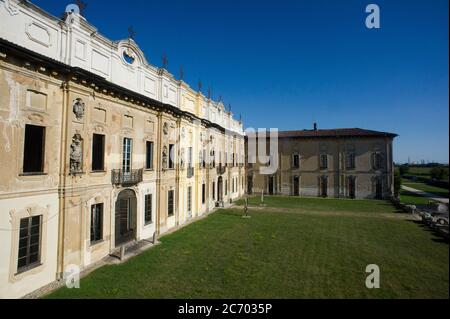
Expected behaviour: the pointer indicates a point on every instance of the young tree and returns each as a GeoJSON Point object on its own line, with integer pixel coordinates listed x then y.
{"type": "Point", "coordinates": [439, 173]}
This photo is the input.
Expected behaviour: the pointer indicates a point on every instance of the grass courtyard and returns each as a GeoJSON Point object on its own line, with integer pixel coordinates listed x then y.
{"type": "Point", "coordinates": [292, 248]}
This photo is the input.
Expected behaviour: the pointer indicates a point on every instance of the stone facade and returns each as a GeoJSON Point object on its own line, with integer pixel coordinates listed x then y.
{"type": "Point", "coordinates": [121, 150]}
{"type": "Point", "coordinates": [340, 163]}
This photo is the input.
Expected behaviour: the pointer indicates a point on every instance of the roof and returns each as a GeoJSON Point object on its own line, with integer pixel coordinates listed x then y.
{"type": "Point", "coordinates": [337, 132]}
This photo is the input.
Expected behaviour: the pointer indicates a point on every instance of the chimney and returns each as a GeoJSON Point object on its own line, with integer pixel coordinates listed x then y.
{"type": "Point", "coordinates": [315, 126]}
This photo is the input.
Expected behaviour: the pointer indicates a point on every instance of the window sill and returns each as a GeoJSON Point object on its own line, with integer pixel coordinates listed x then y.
{"type": "Point", "coordinates": [33, 174]}
{"type": "Point", "coordinates": [95, 243]}
{"type": "Point", "coordinates": [149, 223]}
{"type": "Point", "coordinates": [98, 172]}
{"type": "Point", "coordinates": [28, 268]}
{"type": "Point", "coordinates": [149, 169]}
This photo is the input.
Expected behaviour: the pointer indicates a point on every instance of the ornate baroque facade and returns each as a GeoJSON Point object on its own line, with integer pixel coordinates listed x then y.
{"type": "Point", "coordinates": [98, 147]}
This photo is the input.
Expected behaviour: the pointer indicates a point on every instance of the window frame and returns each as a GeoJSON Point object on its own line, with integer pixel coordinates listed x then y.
{"type": "Point", "coordinates": [94, 226]}
{"type": "Point", "coordinates": [149, 157]}
{"type": "Point", "coordinates": [29, 265]}
{"type": "Point", "coordinates": [170, 203]}
{"type": "Point", "coordinates": [103, 138]}
{"type": "Point", "coordinates": [148, 206]}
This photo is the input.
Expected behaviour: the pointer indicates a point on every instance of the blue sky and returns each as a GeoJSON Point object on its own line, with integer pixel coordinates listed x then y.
{"type": "Point", "coordinates": [288, 64]}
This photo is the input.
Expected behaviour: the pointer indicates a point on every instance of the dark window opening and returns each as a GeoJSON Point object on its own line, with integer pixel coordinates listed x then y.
{"type": "Point", "coordinates": [214, 191]}
{"type": "Point", "coordinates": [96, 222]}
{"type": "Point", "coordinates": [149, 155]}
{"type": "Point", "coordinates": [203, 193]}
{"type": "Point", "coordinates": [33, 155]}
{"type": "Point", "coordinates": [148, 209]}
{"type": "Point", "coordinates": [29, 243]}
{"type": "Point", "coordinates": [98, 152]}
{"type": "Point", "coordinates": [296, 161]}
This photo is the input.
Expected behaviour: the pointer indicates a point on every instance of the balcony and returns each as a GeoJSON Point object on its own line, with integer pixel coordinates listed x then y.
{"type": "Point", "coordinates": [220, 169]}
{"type": "Point", "coordinates": [120, 177]}
{"type": "Point", "coordinates": [190, 171]}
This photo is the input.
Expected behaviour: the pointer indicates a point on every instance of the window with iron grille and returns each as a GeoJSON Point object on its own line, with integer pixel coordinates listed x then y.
{"type": "Point", "coordinates": [189, 198]}
{"type": "Point", "coordinates": [170, 203]}
{"type": "Point", "coordinates": [29, 243]}
{"type": "Point", "coordinates": [148, 209]}
{"type": "Point", "coordinates": [96, 223]}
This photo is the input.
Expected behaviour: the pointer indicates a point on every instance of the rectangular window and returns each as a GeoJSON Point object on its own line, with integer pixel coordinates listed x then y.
{"type": "Point", "coordinates": [170, 203]}
{"type": "Point", "coordinates": [148, 209]}
{"type": "Point", "coordinates": [323, 161]}
{"type": "Point", "coordinates": [226, 187]}
{"type": "Point", "coordinates": [214, 191]}
{"type": "Point", "coordinates": [34, 146]}
{"type": "Point", "coordinates": [127, 150]}
{"type": "Point", "coordinates": [189, 157]}
{"type": "Point", "coordinates": [296, 161]}
{"type": "Point", "coordinates": [189, 198]}
{"type": "Point", "coordinates": [171, 155]}
{"type": "Point", "coordinates": [96, 222]}
{"type": "Point", "coordinates": [149, 155]}
{"type": "Point", "coordinates": [29, 243]}
{"type": "Point", "coordinates": [98, 152]}
{"type": "Point", "coordinates": [203, 193]}
{"type": "Point", "coordinates": [350, 160]}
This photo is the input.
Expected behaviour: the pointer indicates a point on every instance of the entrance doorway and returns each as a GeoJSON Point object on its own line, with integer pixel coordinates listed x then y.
{"type": "Point", "coordinates": [271, 185]}
{"type": "Point", "coordinates": [379, 189]}
{"type": "Point", "coordinates": [351, 187]}
{"type": "Point", "coordinates": [323, 186]}
{"type": "Point", "coordinates": [125, 228]}
{"type": "Point", "coordinates": [296, 186]}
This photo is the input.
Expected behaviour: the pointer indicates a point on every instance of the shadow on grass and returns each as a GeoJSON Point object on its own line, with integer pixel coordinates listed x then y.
{"type": "Point", "coordinates": [438, 237]}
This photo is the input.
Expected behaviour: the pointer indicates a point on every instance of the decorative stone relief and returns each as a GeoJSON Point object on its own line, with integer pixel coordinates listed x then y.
{"type": "Point", "coordinates": [164, 157]}
{"type": "Point", "coordinates": [166, 128]}
{"type": "Point", "coordinates": [182, 157]}
{"type": "Point", "coordinates": [76, 154]}
{"type": "Point", "coordinates": [78, 108]}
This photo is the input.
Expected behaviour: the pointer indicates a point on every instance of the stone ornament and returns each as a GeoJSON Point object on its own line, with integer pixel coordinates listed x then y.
{"type": "Point", "coordinates": [76, 154]}
{"type": "Point", "coordinates": [165, 128]}
{"type": "Point", "coordinates": [78, 108]}
{"type": "Point", "coordinates": [164, 157]}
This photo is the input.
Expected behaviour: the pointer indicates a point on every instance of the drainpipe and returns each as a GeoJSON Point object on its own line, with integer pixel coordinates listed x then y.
{"type": "Point", "coordinates": [62, 181]}
{"type": "Point", "coordinates": [158, 174]}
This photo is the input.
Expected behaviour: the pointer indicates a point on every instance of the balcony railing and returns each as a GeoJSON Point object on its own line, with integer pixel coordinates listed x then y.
{"type": "Point", "coordinates": [190, 171]}
{"type": "Point", "coordinates": [120, 177]}
{"type": "Point", "coordinates": [220, 169]}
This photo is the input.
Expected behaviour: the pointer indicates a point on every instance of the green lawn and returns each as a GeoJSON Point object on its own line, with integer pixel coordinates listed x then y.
{"type": "Point", "coordinates": [409, 198]}
{"type": "Point", "coordinates": [441, 192]}
{"type": "Point", "coordinates": [293, 248]}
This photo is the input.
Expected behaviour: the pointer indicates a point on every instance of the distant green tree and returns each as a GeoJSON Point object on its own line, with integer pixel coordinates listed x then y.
{"type": "Point", "coordinates": [439, 173]}
{"type": "Point", "coordinates": [397, 183]}
{"type": "Point", "coordinates": [404, 169]}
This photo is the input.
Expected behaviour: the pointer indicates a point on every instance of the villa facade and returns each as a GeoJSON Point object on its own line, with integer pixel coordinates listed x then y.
{"type": "Point", "coordinates": [99, 148]}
